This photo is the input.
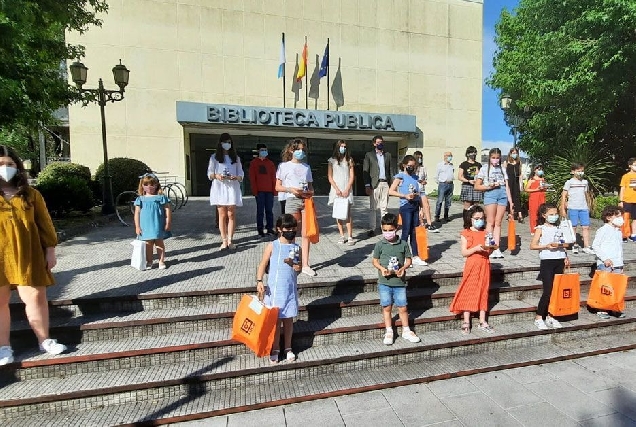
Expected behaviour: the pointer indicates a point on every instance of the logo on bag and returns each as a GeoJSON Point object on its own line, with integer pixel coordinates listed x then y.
{"type": "Point", "coordinates": [567, 293]}
{"type": "Point", "coordinates": [607, 290]}
{"type": "Point", "coordinates": [247, 326]}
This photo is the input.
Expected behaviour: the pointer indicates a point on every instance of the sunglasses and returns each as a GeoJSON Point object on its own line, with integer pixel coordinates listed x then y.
{"type": "Point", "coordinates": [146, 175]}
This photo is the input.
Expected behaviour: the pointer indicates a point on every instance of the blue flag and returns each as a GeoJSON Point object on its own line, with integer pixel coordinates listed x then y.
{"type": "Point", "coordinates": [324, 65]}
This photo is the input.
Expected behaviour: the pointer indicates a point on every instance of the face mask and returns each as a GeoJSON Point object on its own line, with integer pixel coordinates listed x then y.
{"type": "Point", "coordinates": [579, 174]}
{"type": "Point", "coordinates": [478, 223]}
{"type": "Point", "coordinates": [289, 235]}
{"type": "Point", "coordinates": [513, 156]}
{"type": "Point", "coordinates": [472, 156]}
{"type": "Point", "coordinates": [343, 150]}
{"type": "Point", "coordinates": [389, 235]}
{"type": "Point", "coordinates": [494, 162]}
{"type": "Point", "coordinates": [226, 145]}
{"type": "Point", "coordinates": [633, 168]}
{"type": "Point", "coordinates": [419, 160]}
{"type": "Point", "coordinates": [7, 173]}
{"type": "Point", "coordinates": [262, 153]}
{"type": "Point", "coordinates": [150, 189]}
{"type": "Point", "coordinates": [552, 218]}
{"type": "Point", "coordinates": [618, 221]}
{"type": "Point", "coordinates": [380, 147]}
{"type": "Point", "coordinates": [539, 173]}
{"type": "Point", "coordinates": [299, 154]}
{"type": "Point", "coordinates": [410, 169]}
{"type": "Point", "coordinates": [449, 159]}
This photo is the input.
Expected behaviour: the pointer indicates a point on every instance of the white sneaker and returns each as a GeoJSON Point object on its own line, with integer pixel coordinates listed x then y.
{"type": "Point", "coordinates": [410, 336]}
{"type": "Point", "coordinates": [419, 261]}
{"type": "Point", "coordinates": [575, 249]}
{"type": "Point", "coordinates": [51, 346]}
{"type": "Point", "coordinates": [308, 271]}
{"type": "Point", "coordinates": [551, 321]}
{"type": "Point", "coordinates": [6, 355]}
{"type": "Point", "coordinates": [588, 250]}
{"type": "Point", "coordinates": [496, 254]}
{"type": "Point", "coordinates": [539, 323]}
{"type": "Point", "coordinates": [388, 338]}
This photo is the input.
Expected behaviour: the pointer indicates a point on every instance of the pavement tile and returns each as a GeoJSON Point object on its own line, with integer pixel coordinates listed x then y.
{"type": "Point", "coordinates": [477, 409]}
{"type": "Point", "coordinates": [578, 376]}
{"type": "Point", "coordinates": [416, 405]}
{"type": "Point", "coordinates": [541, 414]}
{"type": "Point", "coordinates": [384, 416]}
{"type": "Point", "coordinates": [613, 420]}
{"type": "Point", "coordinates": [263, 417]}
{"type": "Point", "coordinates": [501, 388]}
{"type": "Point", "coordinates": [361, 402]}
{"type": "Point", "coordinates": [452, 387]}
{"type": "Point", "coordinates": [530, 374]}
{"type": "Point", "coordinates": [621, 399]}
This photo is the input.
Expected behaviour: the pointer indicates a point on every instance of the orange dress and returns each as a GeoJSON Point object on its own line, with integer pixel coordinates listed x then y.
{"type": "Point", "coordinates": [535, 199]}
{"type": "Point", "coordinates": [472, 294]}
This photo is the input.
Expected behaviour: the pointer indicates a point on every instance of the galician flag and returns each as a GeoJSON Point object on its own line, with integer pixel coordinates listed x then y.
{"type": "Point", "coordinates": [281, 66]}
{"type": "Point", "coordinates": [302, 67]}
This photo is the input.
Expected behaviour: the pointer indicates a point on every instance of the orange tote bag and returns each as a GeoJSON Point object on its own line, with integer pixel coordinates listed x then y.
{"type": "Point", "coordinates": [566, 294]}
{"type": "Point", "coordinates": [421, 240]}
{"type": "Point", "coordinates": [512, 235]}
{"type": "Point", "coordinates": [312, 221]}
{"type": "Point", "coordinates": [627, 227]}
{"type": "Point", "coordinates": [254, 325]}
{"type": "Point", "coordinates": [607, 291]}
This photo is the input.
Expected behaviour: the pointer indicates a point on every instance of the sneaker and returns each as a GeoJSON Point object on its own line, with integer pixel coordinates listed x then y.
{"type": "Point", "coordinates": [620, 315]}
{"type": "Point", "coordinates": [437, 219]}
{"type": "Point", "coordinates": [432, 229]}
{"type": "Point", "coordinates": [342, 240]}
{"type": "Point", "coordinates": [261, 234]}
{"type": "Point", "coordinates": [410, 336]}
{"type": "Point", "coordinates": [575, 249]}
{"type": "Point", "coordinates": [308, 271]}
{"type": "Point", "coordinates": [162, 266]}
{"type": "Point", "coordinates": [588, 251]}
{"type": "Point", "coordinates": [388, 338]}
{"type": "Point", "coordinates": [272, 232]}
{"type": "Point", "coordinates": [496, 254]}
{"type": "Point", "coordinates": [603, 315]}
{"type": "Point", "coordinates": [51, 346]}
{"type": "Point", "coordinates": [551, 321]}
{"type": "Point", "coordinates": [539, 323]}
{"type": "Point", "coordinates": [632, 238]}
{"type": "Point", "coordinates": [485, 327]}
{"type": "Point", "coordinates": [351, 241]}
{"type": "Point", "coordinates": [419, 261]}
{"type": "Point", "coordinates": [6, 355]}
{"type": "Point", "coordinates": [290, 355]}
{"type": "Point", "coordinates": [231, 245]}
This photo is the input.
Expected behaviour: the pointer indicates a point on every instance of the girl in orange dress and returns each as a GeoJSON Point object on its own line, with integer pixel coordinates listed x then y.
{"type": "Point", "coordinates": [535, 188]}
{"type": "Point", "coordinates": [472, 294]}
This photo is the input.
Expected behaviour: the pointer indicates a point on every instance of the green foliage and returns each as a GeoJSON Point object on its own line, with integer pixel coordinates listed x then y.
{"type": "Point", "coordinates": [58, 170]}
{"type": "Point", "coordinates": [569, 67]}
{"type": "Point", "coordinates": [601, 202]}
{"type": "Point", "coordinates": [125, 173]}
{"type": "Point", "coordinates": [66, 193]}
{"type": "Point", "coordinates": [32, 47]}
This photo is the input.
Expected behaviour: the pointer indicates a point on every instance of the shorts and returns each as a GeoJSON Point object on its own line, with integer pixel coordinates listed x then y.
{"type": "Point", "coordinates": [579, 217]}
{"type": "Point", "coordinates": [469, 194]}
{"type": "Point", "coordinates": [496, 196]}
{"type": "Point", "coordinates": [294, 205]}
{"type": "Point", "coordinates": [630, 208]}
{"type": "Point", "coordinates": [392, 295]}
{"type": "Point", "coordinates": [601, 267]}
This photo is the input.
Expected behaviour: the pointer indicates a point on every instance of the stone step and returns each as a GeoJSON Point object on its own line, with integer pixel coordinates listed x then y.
{"type": "Point", "coordinates": [241, 383]}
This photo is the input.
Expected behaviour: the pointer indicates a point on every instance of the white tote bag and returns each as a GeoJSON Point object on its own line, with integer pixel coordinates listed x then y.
{"type": "Point", "coordinates": [340, 208]}
{"type": "Point", "coordinates": [565, 226]}
{"type": "Point", "coordinates": [138, 258]}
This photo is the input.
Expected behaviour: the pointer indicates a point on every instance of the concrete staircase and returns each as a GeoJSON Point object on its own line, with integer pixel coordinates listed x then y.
{"type": "Point", "coordinates": [155, 359]}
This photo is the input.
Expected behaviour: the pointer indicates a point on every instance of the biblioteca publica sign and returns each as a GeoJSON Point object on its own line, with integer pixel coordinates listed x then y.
{"type": "Point", "coordinates": [192, 112]}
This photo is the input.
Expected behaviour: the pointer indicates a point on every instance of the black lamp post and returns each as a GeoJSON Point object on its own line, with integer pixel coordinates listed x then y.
{"type": "Point", "coordinates": [102, 96]}
{"type": "Point", "coordinates": [513, 119]}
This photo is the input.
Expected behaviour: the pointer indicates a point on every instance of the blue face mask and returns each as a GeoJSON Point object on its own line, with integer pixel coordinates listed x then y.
{"type": "Point", "coordinates": [478, 223]}
{"type": "Point", "coordinates": [513, 156]}
{"type": "Point", "coordinates": [343, 150]}
{"type": "Point", "coordinates": [299, 154]}
{"type": "Point", "coordinates": [449, 159]}
{"type": "Point", "coordinates": [539, 173]}
{"type": "Point", "coordinates": [262, 153]}
{"type": "Point", "coordinates": [552, 218]}
{"type": "Point", "coordinates": [380, 146]}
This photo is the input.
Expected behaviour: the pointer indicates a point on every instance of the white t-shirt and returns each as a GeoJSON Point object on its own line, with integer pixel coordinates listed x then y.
{"type": "Point", "coordinates": [576, 189]}
{"type": "Point", "coordinates": [548, 233]}
{"type": "Point", "coordinates": [495, 174]}
{"type": "Point", "coordinates": [294, 175]}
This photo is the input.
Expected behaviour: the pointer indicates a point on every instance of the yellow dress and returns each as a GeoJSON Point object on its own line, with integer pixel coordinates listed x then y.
{"type": "Point", "coordinates": [26, 230]}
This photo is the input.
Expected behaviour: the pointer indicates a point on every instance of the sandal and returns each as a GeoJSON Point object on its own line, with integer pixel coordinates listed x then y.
{"type": "Point", "coordinates": [290, 355]}
{"type": "Point", "coordinates": [485, 327]}
{"type": "Point", "coordinates": [465, 328]}
{"type": "Point", "coordinates": [273, 357]}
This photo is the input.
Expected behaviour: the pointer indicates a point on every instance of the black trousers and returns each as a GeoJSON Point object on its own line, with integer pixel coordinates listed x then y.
{"type": "Point", "coordinates": [547, 269]}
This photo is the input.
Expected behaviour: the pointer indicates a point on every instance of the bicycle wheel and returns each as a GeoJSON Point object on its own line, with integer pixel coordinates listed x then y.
{"type": "Point", "coordinates": [179, 192]}
{"type": "Point", "coordinates": [184, 192]}
{"type": "Point", "coordinates": [125, 206]}
{"type": "Point", "coordinates": [173, 196]}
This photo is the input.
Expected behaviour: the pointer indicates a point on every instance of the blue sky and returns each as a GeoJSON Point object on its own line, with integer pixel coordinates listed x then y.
{"type": "Point", "coordinates": [495, 133]}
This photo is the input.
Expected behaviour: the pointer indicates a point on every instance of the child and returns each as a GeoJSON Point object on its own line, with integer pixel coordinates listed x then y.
{"type": "Point", "coordinates": [553, 260]}
{"type": "Point", "coordinates": [536, 188]}
{"type": "Point", "coordinates": [153, 218]}
{"type": "Point", "coordinates": [573, 199]}
{"type": "Point", "coordinates": [607, 246]}
{"type": "Point", "coordinates": [627, 195]}
{"type": "Point", "coordinates": [405, 185]}
{"type": "Point", "coordinates": [394, 253]}
{"type": "Point", "coordinates": [284, 258]}
{"type": "Point", "coordinates": [262, 174]}
{"type": "Point", "coordinates": [341, 176]}
{"type": "Point", "coordinates": [294, 178]}
{"type": "Point", "coordinates": [493, 181]}
{"type": "Point", "coordinates": [472, 294]}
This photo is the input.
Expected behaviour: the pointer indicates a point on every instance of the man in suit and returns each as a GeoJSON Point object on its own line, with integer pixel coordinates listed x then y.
{"type": "Point", "coordinates": [377, 172]}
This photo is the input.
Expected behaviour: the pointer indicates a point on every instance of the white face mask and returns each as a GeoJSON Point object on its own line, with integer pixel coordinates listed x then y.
{"type": "Point", "coordinates": [7, 172]}
{"type": "Point", "coordinates": [226, 145]}
{"type": "Point", "coordinates": [618, 221]}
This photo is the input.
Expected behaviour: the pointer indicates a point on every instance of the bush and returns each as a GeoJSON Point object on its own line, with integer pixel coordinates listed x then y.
{"type": "Point", "coordinates": [600, 202]}
{"type": "Point", "coordinates": [66, 194]}
{"type": "Point", "coordinates": [57, 170]}
{"type": "Point", "coordinates": [125, 173]}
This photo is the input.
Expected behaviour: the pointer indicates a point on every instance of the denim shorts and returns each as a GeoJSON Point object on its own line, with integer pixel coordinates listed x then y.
{"type": "Point", "coordinates": [392, 295]}
{"type": "Point", "coordinates": [601, 267]}
{"type": "Point", "coordinates": [579, 217]}
{"type": "Point", "coordinates": [496, 196]}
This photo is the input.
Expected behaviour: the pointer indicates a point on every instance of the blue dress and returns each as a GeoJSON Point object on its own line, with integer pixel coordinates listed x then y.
{"type": "Point", "coordinates": [152, 217]}
{"type": "Point", "coordinates": [282, 281]}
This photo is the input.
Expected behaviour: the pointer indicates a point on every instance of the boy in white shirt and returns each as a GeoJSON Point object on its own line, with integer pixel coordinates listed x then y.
{"type": "Point", "coordinates": [573, 198]}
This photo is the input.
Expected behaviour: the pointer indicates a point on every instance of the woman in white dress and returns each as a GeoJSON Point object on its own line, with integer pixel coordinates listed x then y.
{"type": "Point", "coordinates": [341, 177]}
{"type": "Point", "coordinates": [226, 173]}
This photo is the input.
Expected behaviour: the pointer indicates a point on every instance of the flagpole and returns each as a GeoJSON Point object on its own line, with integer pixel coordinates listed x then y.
{"type": "Point", "coordinates": [283, 47]}
{"type": "Point", "coordinates": [306, 73]}
{"type": "Point", "coordinates": [328, 72]}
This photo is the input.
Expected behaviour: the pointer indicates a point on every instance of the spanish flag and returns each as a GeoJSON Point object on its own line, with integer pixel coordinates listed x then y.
{"type": "Point", "coordinates": [302, 67]}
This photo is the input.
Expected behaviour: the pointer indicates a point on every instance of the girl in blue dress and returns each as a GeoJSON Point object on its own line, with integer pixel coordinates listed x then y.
{"type": "Point", "coordinates": [284, 258]}
{"type": "Point", "coordinates": [153, 218]}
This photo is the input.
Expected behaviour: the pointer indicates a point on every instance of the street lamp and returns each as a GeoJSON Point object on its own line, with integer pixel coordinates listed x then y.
{"type": "Point", "coordinates": [513, 119]}
{"type": "Point", "coordinates": [100, 95]}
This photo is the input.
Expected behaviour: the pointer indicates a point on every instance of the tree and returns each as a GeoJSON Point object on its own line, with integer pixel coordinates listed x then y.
{"type": "Point", "coordinates": [33, 50]}
{"type": "Point", "coordinates": [570, 67]}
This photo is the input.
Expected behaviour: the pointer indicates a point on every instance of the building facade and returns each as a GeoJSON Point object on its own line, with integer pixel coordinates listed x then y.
{"type": "Point", "coordinates": [409, 70]}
